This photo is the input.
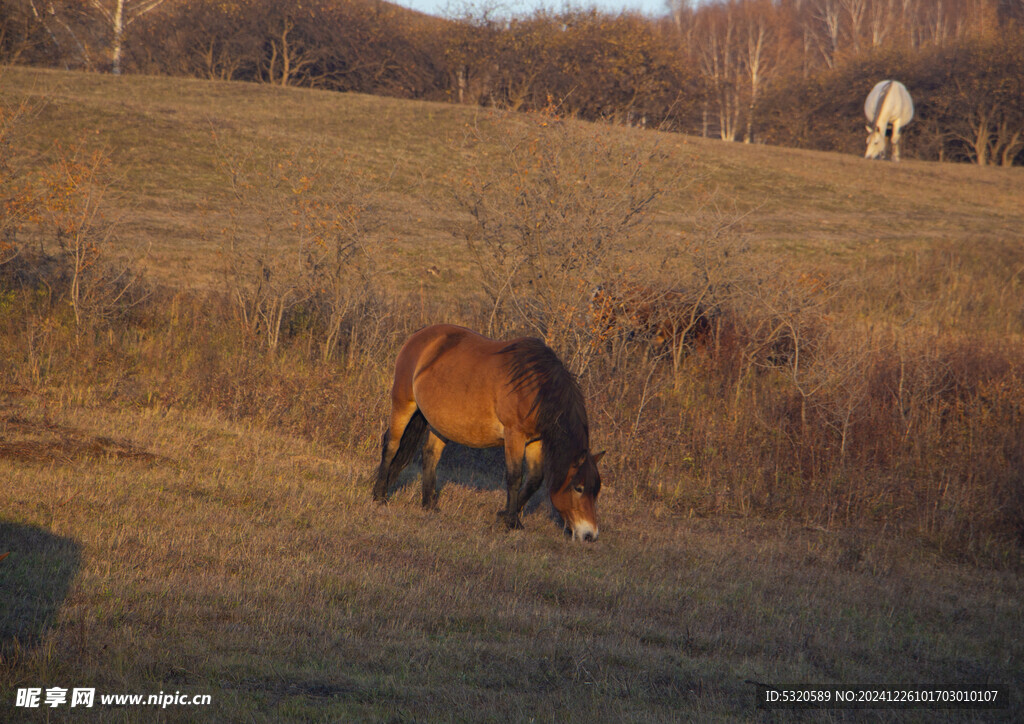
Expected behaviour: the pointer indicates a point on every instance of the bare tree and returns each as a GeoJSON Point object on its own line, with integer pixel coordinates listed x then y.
{"type": "Point", "coordinates": [716, 39]}
{"type": "Point", "coordinates": [982, 103]}
{"type": "Point", "coordinates": [119, 15]}
{"type": "Point", "coordinates": [881, 20]}
{"type": "Point", "coordinates": [48, 31]}
{"type": "Point", "coordinates": [824, 24]}
{"type": "Point", "coordinates": [856, 12]}
{"type": "Point", "coordinates": [756, 56]}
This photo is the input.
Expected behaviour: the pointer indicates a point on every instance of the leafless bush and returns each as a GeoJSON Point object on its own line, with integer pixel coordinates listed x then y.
{"type": "Point", "coordinates": [18, 200]}
{"type": "Point", "coordinates": [664, 320]}
{"type": "Point", "coordinates": [296, 248]}
{"type": "Point", "coordinates": [550, 220]}
{"type": "Point", "coordinates": [100, 280]}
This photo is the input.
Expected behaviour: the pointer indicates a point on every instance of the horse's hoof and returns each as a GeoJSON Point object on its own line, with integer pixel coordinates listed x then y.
{"type": "Point", "coordinates": [511, 522]}
{"type": "Point", "coordinates": [431, 503]}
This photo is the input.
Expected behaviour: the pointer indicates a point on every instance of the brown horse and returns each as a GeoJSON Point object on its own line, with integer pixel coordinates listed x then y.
{"type": "Point", "coordinates": [454, 385]}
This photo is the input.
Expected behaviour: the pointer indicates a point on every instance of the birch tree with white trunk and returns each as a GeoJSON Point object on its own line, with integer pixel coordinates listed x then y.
{"type": "Point", "coordinates": [119, 15]}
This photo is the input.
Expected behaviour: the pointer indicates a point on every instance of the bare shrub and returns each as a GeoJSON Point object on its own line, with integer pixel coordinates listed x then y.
{"type": "Point", "coordinates": [78, 276]}
{"type": "Point", "coordinates": [18, 199]}
{"type": "Point", "coordinates": [296, 249]}
{"type": "Point", "coordinates": [667, 336]}
{"type": "Point", "coordinates": [670, 320]}
{"type": "Point", "coordinates": [99, 285]}
{"type": "Point", "coordinates": [718, 272]}
{"type": "Point", "coordinates": [550, 219]}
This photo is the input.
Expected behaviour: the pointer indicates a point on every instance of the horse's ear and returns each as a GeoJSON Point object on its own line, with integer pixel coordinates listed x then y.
{"type": "Point", "coordinates": [597, 458]}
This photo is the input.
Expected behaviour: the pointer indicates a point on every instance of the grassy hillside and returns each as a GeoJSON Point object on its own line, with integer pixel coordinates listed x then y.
{"type": "Point", "coordinates": [167, 138]}
{"type": "Point", "coordinates": [186, 504]}
{"type": "Point", "coordinates": [248, 565]}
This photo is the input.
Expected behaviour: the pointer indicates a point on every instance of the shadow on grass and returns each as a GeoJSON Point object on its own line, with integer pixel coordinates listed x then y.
{"type": "Point", "coordinates": [34, 581]}
{"type": "Point", "coordinates": [481, 469]}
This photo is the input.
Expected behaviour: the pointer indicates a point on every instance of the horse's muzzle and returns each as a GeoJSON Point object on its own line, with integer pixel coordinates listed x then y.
{"type": "Point", "coordinates": [585, 532]}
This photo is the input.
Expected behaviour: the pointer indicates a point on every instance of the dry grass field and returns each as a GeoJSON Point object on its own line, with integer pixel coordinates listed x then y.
{"type": "Point", "coordinates": [827, 494]}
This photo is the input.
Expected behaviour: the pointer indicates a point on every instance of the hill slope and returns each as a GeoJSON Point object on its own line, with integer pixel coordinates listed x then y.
{"type": "Point", "coordinates": [168, 138]}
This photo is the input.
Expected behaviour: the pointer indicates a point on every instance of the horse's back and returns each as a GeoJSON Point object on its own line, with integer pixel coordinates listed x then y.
{"type": "Point", "coordinates": [901, 106]}
{"type": "Point", "coordinates": [456, 377]}
{"type": "Point", "coordinates": [427, 346]}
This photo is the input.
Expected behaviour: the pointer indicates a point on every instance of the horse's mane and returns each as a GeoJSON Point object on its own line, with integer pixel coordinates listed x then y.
{"type": "Point", "coordinates": [559, 404]}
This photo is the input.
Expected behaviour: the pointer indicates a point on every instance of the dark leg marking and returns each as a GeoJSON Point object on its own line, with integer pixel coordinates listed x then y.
{"type": "Point", "coordinates": [432, 449]}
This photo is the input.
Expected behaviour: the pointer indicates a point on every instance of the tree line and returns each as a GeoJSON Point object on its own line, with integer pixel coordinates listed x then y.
{"type": "Point", "coordinates": [791, 72]}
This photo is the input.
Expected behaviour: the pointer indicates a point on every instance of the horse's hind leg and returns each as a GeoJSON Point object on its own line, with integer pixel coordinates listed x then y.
{"type": "Point", "coordinates": [431, 455]}
{"type": "Point", "coordinates": [398, 446]}
{"type": "Point", "coordinates": [894, 143]}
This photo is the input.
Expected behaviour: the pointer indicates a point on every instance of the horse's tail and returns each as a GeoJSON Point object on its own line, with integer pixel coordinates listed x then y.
{"type": "Point", "coordinates": [412, 438]}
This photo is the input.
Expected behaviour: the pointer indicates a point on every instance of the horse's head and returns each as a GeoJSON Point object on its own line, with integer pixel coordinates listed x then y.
{"type": "Point", "coordinates": [875, 143]}
{"type": "Point", "coordinates": [576, 497]}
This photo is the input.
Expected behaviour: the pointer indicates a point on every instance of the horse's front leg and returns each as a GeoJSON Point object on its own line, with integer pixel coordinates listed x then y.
{"type": "Point", "coordinates": [534, 473]}
{"type": "Point", "coordinates": [514, 448]}
{"type": "Point", "coordinates": [895, 141]}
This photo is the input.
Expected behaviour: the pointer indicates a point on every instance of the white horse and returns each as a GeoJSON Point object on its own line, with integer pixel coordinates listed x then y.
{"type": "Point", "coordinates": [888, 103]}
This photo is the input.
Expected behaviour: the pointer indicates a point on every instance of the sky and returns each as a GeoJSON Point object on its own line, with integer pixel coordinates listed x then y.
{"type": "Point", "coordinates": [446, 8]}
